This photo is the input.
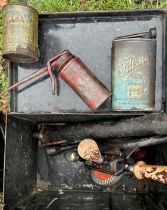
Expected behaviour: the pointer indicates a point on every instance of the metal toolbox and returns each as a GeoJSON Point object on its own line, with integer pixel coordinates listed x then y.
{"type": "Point", "coordinates": [34, 180]}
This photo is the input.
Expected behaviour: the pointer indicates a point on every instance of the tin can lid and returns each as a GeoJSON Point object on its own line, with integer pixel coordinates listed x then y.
{"type": "Point", "coordinates": [24, 4]}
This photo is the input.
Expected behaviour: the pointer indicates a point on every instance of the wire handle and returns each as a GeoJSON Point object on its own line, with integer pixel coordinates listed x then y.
{"type": "Point", "coordinates": [50, 72]}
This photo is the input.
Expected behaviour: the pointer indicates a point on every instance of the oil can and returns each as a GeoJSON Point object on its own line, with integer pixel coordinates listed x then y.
{"type": "Point", "coordinates": [20, 33]}
{"type": "Point", "coordinates": [79, 77]}
{"type": "Point", "coordinates": [133, 72]}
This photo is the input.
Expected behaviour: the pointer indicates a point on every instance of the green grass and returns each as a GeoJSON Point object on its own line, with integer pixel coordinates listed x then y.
{"type": "Point", "coordinates": [74, 5]}
{"type": "Point", "coordinates": [77, 5]}
{"type": "Point", "coordinates": [3, 71]}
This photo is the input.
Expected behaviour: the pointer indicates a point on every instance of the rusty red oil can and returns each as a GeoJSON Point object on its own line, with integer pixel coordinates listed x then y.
{"type": "Point", "coordinates": [20, 33]}
{"type": "Point", "coordinates": [78, 76]}
{"type": "Point", "coordinates": [133, 72]}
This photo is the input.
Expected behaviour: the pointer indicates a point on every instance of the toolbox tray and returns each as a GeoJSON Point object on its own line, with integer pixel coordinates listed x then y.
{"type": "Point", "coordinates": [89, 36]}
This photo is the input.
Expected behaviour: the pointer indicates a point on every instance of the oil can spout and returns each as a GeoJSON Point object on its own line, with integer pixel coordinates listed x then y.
{"type": "Point", "coordinates": [54, 63]}
{"type": "Point", "coordinates": [151, 34]}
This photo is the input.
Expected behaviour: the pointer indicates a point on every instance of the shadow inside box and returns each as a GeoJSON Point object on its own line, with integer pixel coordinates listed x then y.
{"type": "Point", "coordinates": [2, 139]}
{"type": "Point", "coordinates": [75, 200]}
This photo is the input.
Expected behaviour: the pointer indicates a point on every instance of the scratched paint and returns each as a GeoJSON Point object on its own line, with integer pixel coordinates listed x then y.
{"type": "Point", "coordinates": [162, 176]}
{"type": "Point", "coordinates": [91, 154]}
{"type": "Point", "coordinates": [87, 86]}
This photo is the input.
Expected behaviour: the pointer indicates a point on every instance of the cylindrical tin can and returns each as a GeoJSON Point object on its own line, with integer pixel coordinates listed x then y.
{"type": "Point", "coordinates": [3, 3]}
{"type": "Point", "coordinates": [20, 33]}
{"type": "Point", "coordinates": [133, 74]}
{"type": "Point", "coordinates": [78, 76]}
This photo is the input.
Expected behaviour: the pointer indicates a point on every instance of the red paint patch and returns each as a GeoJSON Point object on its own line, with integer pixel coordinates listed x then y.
{"type": "Point", "coordinates": [101, 175]}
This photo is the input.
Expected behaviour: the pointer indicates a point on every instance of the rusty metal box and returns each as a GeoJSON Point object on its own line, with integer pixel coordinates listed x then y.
{"type": "Point", "coordinates": [33, 180]}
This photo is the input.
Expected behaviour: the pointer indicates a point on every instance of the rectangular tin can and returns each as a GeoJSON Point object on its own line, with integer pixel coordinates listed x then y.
{"type": "Point", "coordinates": [133, 74]}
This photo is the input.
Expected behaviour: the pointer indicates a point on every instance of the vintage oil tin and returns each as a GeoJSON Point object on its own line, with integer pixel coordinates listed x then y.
{"type": "Point", "coordinates": [20, 33]}
{"type": "Point", "coordinates": [78, 76]}
{"type": "Point", "coordinates": [133, 72]}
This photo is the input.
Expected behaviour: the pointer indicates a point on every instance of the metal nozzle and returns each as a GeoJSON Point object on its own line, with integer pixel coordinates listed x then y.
{"type": "Point", "coordinates": [152, 34]}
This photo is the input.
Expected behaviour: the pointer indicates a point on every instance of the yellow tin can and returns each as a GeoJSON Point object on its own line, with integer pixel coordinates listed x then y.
{"type": "Point", "coordinates": [20, 33]}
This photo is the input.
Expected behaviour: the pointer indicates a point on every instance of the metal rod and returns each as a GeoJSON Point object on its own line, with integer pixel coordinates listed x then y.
{"type": "Point", "coordinates": [3, 134]}
{"type": "Point", "coordinates": [145, 142]}
{"type": "Point", "coordinates": [53, 143]}
{"type": "Point", "coordinates": [133, 150]}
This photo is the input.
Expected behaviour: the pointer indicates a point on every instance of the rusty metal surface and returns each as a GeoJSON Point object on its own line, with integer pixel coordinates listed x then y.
{"type": "Point", "coordinates": [133, 74]}
{"type": "Point", "coordinates": [72, 175]}
{"type": "Point", "coordinates": [22, 170]}
{"type": "Point", "coordinates": [20, 33]}
{"type": "Point", "coordinates": [90, 89]}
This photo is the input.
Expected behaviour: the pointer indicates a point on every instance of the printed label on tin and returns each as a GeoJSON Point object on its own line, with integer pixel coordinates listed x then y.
{"type": "Point", "coordinates": [19, 28]}
{"type": "Point", "coordinates": [130, 65]}
{"type": "Point", "coordinates": [135, 90]}
{"type": "Point", "coordinates": [133, 75]}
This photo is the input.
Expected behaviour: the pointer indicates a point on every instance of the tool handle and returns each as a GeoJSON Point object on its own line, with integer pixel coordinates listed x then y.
{"type": "Point", "coordinates": [89, 150]}
{"type": "Point", "coordinates": [159, 173]}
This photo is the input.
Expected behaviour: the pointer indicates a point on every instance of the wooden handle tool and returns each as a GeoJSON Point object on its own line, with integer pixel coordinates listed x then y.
{"type": "Point", "coordinates": [155, 172]}
{"type": "Point", "coordinates": [89, 150]}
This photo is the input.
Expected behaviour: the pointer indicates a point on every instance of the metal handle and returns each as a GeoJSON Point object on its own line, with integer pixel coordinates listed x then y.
{"type": "Point", "coordinates": [49, 67]}
{"type": "Point", "coordinates": [41, 71]}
